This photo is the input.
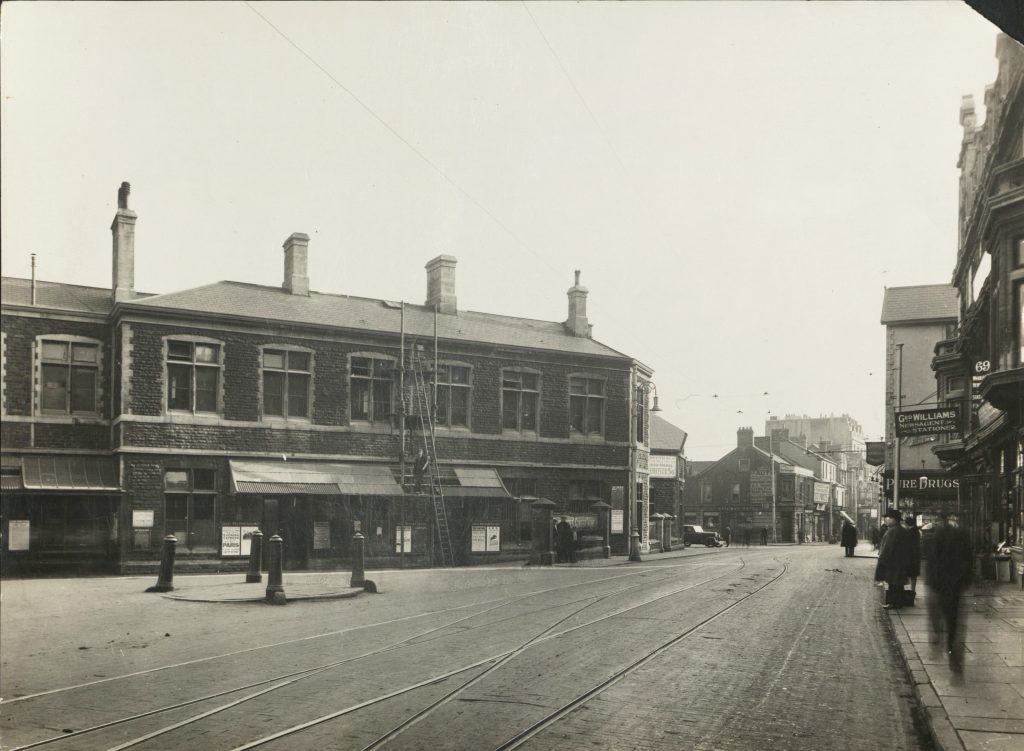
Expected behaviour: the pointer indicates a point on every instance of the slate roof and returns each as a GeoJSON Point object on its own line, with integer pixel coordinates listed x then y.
{"type": "Point", "coordinates": [926, 302]}
{"type": "Point", "coordinates": [665, 436]}
{"type": "Point", "coordinates": [695, 468]}
{"type": "Point", "coordinates": [244, 300]}
{"type": "Point", "coordinates": [56, 295]}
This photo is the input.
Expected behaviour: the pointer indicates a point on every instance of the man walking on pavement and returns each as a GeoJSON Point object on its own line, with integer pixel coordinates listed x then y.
{"type": "Point", "coordinates": [948, 571]}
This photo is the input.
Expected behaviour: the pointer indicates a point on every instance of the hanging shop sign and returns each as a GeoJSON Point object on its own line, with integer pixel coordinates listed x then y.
{"type": "Point", "coordinates": [928, 421]}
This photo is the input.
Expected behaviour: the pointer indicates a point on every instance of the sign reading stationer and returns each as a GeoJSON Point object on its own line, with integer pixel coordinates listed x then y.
{"type": "Point", "coordinates": [928, 421]}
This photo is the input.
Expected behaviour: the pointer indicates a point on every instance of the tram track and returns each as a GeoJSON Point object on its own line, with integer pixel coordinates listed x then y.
{"type": "Point", "coordinates": [281, 681]}
{"type": "Point", "coordinates": [498, 660]}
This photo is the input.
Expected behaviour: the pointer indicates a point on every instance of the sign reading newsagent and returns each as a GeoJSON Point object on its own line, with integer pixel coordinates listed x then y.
{"type": "Point", "coordinates": [928, 421]}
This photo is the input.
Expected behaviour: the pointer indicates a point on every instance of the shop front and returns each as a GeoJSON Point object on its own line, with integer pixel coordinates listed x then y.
{"type": "Point", "coordinates": [59, 515]}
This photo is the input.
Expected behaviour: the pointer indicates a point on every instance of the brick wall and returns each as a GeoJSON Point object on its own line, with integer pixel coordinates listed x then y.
{"type": "Point", "coordinates": [330, 403]}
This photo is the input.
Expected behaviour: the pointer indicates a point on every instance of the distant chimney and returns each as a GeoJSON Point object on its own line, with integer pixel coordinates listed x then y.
{"type": "Point", "coordinates": [296, 271]}
{"type": "Point", "coordinates": [441, 284]}
{"type": "Point", "coordinates": [745, 437]}
{"type": "Point", "coordinates": [577, 322]}
{"type": "Point", "coordinates": [123, 230]}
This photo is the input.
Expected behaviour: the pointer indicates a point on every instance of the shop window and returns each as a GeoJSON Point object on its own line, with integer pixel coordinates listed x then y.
{"type": "Point", "coordinates": [69, 377]}
{"type": "Point", "coordinates": [586, 405]}
{"type": "Point", "coordinates": [372, 389]}
{"type": "Point", "coordinates": [454, 389]}
{"type": "Point", "coordinates": [193, 375]}
{"type": "Point", "coordinates": [520, 398]}
{"type": "Point", "coordinates": [287, 375]}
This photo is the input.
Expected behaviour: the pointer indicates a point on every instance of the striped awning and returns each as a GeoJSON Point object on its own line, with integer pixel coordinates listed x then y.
{"type": "Point", "coordinates": [70, 473]}
{"type": "Point", "coordinates": [312, 478]}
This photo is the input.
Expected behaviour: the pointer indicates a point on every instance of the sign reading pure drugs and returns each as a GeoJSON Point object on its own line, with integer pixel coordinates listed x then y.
{"type": "Point", "coordinates": [928, 421]}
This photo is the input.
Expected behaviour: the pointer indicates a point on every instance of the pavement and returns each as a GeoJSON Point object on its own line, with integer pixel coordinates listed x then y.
{"type": "Point", "coordinates": [984, 707]}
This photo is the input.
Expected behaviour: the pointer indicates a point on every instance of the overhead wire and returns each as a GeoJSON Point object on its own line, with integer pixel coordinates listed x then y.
{"type": "Point", "coordinates": [408, 144]}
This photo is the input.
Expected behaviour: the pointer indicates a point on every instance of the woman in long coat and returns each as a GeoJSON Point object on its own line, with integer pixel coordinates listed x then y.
{"type": "Point", "coordinates": [848, 538]}
{"type": "Point", "coordinates": [892, 560]}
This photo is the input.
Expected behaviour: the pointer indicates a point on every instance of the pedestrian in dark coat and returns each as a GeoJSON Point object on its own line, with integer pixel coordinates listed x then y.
{"type": "Point", "coordinates": [564, 541]}
{"type": "Point", "coordinates": [764, 535]}
{"type": "Point", "coordinates": [914, 550]}
{"type": "Point", "coordinates": [727, 535]}
{"type": "Point", "coordinates": [948, 572]}
{"type": "Point", "coordinates": [876, 538]}
{"type": "Point", "coordinates": [892, 560]}
{"type": "Point", "coordinates": [848, 538]}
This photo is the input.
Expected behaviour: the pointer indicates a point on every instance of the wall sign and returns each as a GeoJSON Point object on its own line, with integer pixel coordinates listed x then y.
{"type": "Point", "coordinates": [142, 518]}
{"type": "Point", "coordinates": [661, 465]}
{"type": "Point", "coordinates": [928, 421]}
{"type": "Point", "coordinates": [321, 535]}
{"type": "Point", "coordinates": [403, 539]}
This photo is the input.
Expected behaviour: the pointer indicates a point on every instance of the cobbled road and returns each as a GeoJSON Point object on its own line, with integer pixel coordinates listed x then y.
{"type": "Point", "coordinates": [781, 647]}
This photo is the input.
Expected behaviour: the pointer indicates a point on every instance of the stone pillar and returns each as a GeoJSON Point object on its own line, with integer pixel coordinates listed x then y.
{"type": "Point", "coordinates": [165, 582]}
{"type": "Point", "coordinates": [255, 558]}
{"type": "Point", "coordinates": [275, 585]}
{"type": "Point", "coordinates": [358, 561]}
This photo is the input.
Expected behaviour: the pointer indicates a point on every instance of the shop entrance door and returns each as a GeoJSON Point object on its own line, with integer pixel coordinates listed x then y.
{"type": "Point", "coordinates": [190, 518]}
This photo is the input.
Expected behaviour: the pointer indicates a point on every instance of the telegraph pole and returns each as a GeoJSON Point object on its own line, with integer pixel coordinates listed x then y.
{"type": "Point", "coordinates": [896, 431]}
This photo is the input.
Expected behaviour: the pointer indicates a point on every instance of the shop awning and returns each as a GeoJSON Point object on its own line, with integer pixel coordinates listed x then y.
{"type": "Point", "coordinates": [472, 482]}
{"type": "Point", "coordinates": [847, 517]}
{"type": "Point", "coordinates": [70, 473]}
{"type": "Point", "coordinates": [312, 478]}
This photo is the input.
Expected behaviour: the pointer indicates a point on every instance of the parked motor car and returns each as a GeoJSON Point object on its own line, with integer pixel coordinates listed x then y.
{"type": "Point", "coordinates": [693, 533]}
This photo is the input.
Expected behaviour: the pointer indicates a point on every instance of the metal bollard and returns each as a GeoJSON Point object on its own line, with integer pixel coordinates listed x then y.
{"type": "Point", "coordinates": [634, 545]}
{"type": "Point", "coordinates": [255, 558]}
{"type": "Point", "coordinates": [165, 582]}
{"type": "Point", "coordinates": [358, 561]}
{"type": "Point", "coordinates": [275, 587]}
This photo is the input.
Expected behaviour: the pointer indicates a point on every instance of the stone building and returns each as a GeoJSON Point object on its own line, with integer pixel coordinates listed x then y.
{"type": "Point", "coordinates": [915, 318]}
{"type": "Point", "coordinates": [209, 412]}
{"type": "Point", "coordinates": [979, 364]}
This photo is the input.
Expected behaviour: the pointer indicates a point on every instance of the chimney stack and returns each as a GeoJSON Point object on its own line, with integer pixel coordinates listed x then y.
{"type": "Point", "coordinates": [296, 271]}
{"type": "Point", "coordinates": [123, 230]}
{"type": "Point", "coordinates": [745, 437]}
{"type": "Point", "coordinates": [577, 322]}
{"type": "Point", "coordinates": [441, 285]}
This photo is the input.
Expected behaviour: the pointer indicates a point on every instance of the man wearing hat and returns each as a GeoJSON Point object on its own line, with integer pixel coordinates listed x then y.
{"type": "Point", "coordinates": [564, 541]}
{"type": "Point", "coordinates": [893, 555]}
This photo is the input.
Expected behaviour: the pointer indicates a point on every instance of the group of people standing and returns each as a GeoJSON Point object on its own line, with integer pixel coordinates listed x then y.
{"type": "Point", "coordinates": [948, 572]}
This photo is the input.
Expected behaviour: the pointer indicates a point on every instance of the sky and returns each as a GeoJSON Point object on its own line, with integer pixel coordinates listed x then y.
{"type": "Point", "coordinates": [736, 182]}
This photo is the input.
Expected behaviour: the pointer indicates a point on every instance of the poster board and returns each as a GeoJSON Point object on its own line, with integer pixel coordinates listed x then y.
{"type": "Point", "coordinates": [236, 540]}
{"type": "Point", "coordinates": [18, 534]}
{"type": "Point", "coordinates": [485, 539]}
{"type": "Point", "coordinates": [403, 539]}
{"type": "Point", "coordinates": [321, 535]}
{"type": "Point", "coordinates": [618, 512]}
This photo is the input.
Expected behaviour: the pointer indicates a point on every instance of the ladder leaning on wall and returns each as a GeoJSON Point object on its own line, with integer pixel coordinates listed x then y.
{"type": "Point", "coordinates": [422, 407]}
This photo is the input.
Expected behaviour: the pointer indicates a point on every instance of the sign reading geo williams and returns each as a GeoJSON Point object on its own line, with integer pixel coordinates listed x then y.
{"type": "Point", "coordinates": [928, 421]}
